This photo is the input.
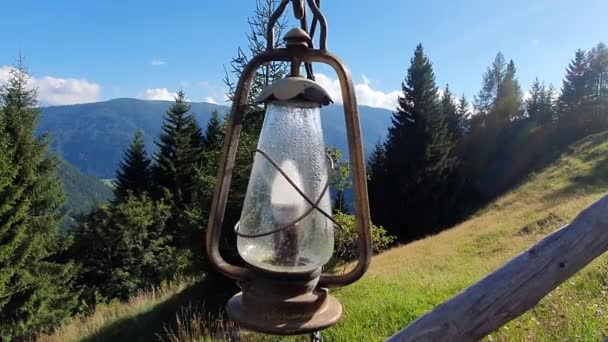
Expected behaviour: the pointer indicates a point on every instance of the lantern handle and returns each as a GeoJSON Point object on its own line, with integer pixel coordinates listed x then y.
{"type": "Point", "coordinates": [356, 156]}
{"type": "Point", "coordinates": [357, 164]}
{"type": "Point", "coordinates": [224, 177]}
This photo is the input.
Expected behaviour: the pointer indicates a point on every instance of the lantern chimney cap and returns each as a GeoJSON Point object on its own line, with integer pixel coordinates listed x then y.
{"type": "Point", "coordinates": [296, 37]}
{"type": "Point", "coordinates": [295, 88]}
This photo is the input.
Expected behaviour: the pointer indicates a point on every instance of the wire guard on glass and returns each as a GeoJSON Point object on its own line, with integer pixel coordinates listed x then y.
{"type": "Point", "coordinates": [314, 205]}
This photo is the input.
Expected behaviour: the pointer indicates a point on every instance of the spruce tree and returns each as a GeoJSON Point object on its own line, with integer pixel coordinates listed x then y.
{"type": "Point", "coordinates": [179, 153]}
{"type": "Point", "coordinates": [6, 172]}
{"type": "Point", "coordinates": [598, 79]}
{"type": "Point", "coordinates": [206, 173]}
{"type": "Point", "coordinates": [35, 289]}
{"type": "Point", "coordinates": [417, 158]}
{"type": "Point", "coordinates": [575, 87]}
{"type": "Point", "coordinates": [340, 180]}
{"type": "Point", "coordinates": [134, 174]}
{"type": "Point", "coordinates": [213, 137]}
{"type": "Point", "coordinates": [450, 112]}
{"type": "Point", "coordinates": [533, 103]}
{"type": "Point", "coordinates": [177, 160]}
{"type": "Point", "coordinates": [124, 248]}
{"type": "Point", "coordinates": [256, 39]}
{"type": "Point", "coordinates": [509, 102]}
{"type": "Point", "coordinates": [540, 106]}
{"type": "Point", "coordinates": [463, 116]}
{"type": "Point", "coordinates": [376, 182]}
{"type": "Point", "coordinates": [488, 96]}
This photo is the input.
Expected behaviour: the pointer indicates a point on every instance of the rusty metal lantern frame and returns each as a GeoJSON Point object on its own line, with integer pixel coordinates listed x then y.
{"type": "Point", "coordinates": [299, 50]}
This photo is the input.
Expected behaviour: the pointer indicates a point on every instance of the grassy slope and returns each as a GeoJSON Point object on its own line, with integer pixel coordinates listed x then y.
{"type": "Point", "coordinates": [405, 282]}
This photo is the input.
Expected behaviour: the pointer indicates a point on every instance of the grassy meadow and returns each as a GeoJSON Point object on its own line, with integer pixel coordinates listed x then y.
{"type": "Point", "coordinates": [405, 282]}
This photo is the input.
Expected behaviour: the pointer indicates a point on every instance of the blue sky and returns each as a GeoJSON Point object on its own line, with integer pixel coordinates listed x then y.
{"type": "Point", "coordinates": [85, 50]}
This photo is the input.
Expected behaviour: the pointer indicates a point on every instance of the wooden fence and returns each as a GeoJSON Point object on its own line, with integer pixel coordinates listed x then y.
{"type": "Point", "coordinates": [518, 285]}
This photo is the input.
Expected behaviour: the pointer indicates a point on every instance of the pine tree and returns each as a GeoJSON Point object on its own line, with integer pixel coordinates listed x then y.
{"type": "Point", "coordinates": [124, 248]}
{"type": "Point", "coordinates": [214, 133]}
{"type": "Point", "coordinates": [575, 87]}
{"type": "Point", "coordinates": [463, 116]}
{"type": "Point", "coordinates": [488, 96]}
{"type": "Point", "coordinates": [179, 153]}
{"type": "Point", "coordinates": [598, 79]}
{"type": "Point", "coordinates": [533, 103]}
{"type": "Point", "coordinates": [6, 172]}
{"type": "Point", "coordinates": [206, 173]}
{"type": "Point", "coordinates": [134, 174]}
{"type": "Point", "coordinates": [376, 181]}
{"type": "Point", "coordinates": [540, 106]}
{"type": "Point", "coordinates": [509, 102]}
{"type": "Point", "coordinates": [177, 160]}
{"type": "Point", "coordinates": [256, 38]}
{"type": "Point", "coordinates": [450, 112]}
{"type": "Point", "coordinates": [340, 180]}
{"type": "Point", "coordinates": [35, 290]}
{"type": "Point", "coordinates": [549, 104]}
{"type": "Point", "coordinates": [417, 158]}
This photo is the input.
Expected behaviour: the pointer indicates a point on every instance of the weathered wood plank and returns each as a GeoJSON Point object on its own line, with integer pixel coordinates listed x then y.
{"type": "Point", "coordinates": [516, 286]}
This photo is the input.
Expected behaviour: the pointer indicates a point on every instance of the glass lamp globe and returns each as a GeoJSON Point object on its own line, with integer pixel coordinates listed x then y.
{"type": "Point", "coordinates": [279, 230]}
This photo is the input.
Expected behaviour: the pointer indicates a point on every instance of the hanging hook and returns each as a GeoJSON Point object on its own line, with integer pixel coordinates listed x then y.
{"type": "Point", "coordinates": [298, 9]}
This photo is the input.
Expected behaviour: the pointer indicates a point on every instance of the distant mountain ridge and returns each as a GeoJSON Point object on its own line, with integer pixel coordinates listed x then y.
{"type": "Point", "coordinates": [94, 136]}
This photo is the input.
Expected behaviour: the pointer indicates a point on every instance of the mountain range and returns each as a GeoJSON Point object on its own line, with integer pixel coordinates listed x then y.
{"type": "Point", "coordinates": [94, 136]}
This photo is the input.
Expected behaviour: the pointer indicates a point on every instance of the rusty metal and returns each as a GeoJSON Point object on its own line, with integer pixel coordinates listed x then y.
{"type": "Point", "coordinates": [318, 17]}
{"type": "Point", "coordinates": [297, 37]}
{"type": "Point", "coordinates": [288, 302]}
{"type": "Point", "coordinates": [357, 161]}
{"type": "Point", "coordinates": [284, 306]}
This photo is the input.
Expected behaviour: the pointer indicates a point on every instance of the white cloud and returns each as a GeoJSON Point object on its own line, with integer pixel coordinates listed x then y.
{"type": "Point", "coordinates": [59, 91]}
{"type": "Point", "coordinates": [157, 62]}
{"type": "Point", "coordinates": [161, 94]}
{"type": "Point", "coordinates": [210, 100]}
{"type": "Point", "coordinates": [366, 95]}
{"type": "Point", "coordinates": [4, 74]}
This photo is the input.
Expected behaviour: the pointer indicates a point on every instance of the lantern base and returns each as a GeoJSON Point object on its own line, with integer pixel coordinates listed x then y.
{"type": "Point", "coordinates": [280, 308]}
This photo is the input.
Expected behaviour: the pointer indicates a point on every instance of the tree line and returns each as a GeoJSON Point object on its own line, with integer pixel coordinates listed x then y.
{"type": "Point", "coordinates": [443, 158]}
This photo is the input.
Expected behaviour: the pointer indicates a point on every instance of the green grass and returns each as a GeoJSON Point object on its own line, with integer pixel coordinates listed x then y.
{"type": "Point", "coordinates": [406, 282]}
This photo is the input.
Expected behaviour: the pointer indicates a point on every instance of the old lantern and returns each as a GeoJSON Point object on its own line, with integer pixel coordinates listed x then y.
{"type": "Point", "coordinates": [285, 233]}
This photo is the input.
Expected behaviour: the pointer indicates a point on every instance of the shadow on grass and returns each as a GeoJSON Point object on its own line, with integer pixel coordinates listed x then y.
{"type": "Point", "coordinates": [595, 181]}
{"type": "Point", "coordinates": [150, 324]}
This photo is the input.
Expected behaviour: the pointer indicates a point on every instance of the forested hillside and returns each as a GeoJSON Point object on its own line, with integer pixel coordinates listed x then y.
{"type": "Point", "coordinates": [405, 282]}
{"type": "Point", "coordinates": [83, 192]}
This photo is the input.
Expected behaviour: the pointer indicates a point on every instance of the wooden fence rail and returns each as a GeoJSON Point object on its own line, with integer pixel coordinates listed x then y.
{"type": "Point", "coordinates": [518, 285]}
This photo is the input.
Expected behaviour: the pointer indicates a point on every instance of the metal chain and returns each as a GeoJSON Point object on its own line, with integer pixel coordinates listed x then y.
{"type": "Point", "coordinates": [314, 205]}
{"type": "Point", "coordinates": [304, 25]}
